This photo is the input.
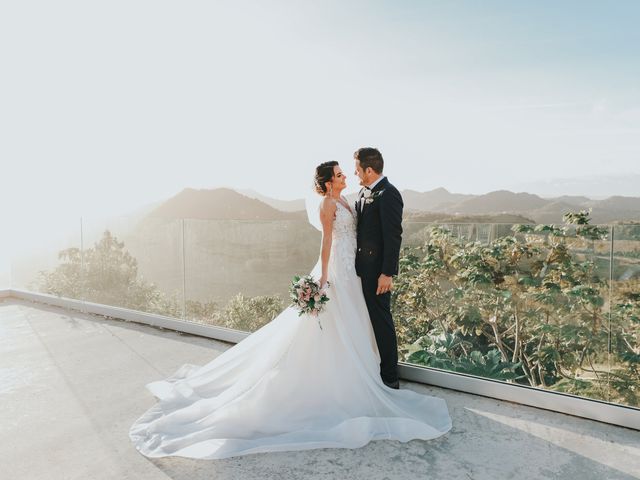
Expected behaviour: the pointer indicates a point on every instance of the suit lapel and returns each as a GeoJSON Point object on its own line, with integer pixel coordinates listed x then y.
{"type": "Point", "coordinates": [379, 186]}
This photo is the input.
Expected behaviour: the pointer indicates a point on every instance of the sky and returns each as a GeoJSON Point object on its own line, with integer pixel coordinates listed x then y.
{"type": "Point", "coordinates": [107, 106]}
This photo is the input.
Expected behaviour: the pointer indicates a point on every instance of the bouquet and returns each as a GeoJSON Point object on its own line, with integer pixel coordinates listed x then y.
{"type": "Point", "coordinates": [307, 296]}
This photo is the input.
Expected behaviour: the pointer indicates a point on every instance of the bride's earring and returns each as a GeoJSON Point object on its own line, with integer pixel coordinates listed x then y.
{"type": "Point", "coordinates": [330, 188]}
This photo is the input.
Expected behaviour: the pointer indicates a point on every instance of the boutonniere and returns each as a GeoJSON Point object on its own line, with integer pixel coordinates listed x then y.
{"type": "Point", "coordinates": [370, 196]}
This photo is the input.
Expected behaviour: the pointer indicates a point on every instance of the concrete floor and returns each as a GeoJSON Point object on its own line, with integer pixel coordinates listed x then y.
{"type": "Point", "coordinates": [71, 385]}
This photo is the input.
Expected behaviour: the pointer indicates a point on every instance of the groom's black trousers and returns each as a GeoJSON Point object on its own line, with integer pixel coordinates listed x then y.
{"type": "Point", "coordinates": [379, 307]}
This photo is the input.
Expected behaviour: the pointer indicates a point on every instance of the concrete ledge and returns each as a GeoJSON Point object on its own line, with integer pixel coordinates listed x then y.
{"type": "Point", "coordinates": [555, 401]}
{"type": "Point", "coordinates": [73, 384]}
{"type": "Point", "coordinates": [155, 320]}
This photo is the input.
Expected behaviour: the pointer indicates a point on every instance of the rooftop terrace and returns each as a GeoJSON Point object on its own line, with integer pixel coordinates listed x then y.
{"type": "Point", "coordinates": [71, 384]}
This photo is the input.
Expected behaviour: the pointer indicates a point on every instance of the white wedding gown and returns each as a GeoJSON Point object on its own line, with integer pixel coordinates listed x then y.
{"type": "Point", "coordinates": [291, 385]}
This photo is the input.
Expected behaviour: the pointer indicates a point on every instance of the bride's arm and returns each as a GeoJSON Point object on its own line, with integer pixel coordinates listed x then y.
{"type": "Point", "coordinates": [327, 215]}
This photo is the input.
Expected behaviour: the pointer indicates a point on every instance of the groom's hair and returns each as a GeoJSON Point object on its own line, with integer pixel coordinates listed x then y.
{"type": "Point", "coordinates": [370, 157]}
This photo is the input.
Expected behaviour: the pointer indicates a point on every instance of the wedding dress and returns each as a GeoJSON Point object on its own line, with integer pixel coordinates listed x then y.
{"type": "Point", "coordinates": [291, 385]}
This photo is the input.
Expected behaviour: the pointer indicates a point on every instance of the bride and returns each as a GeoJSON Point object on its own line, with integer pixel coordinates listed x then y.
{"type": "Point", "coordinates": [291, 385]}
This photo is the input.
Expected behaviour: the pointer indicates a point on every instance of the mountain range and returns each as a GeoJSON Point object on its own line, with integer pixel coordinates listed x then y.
{"type": "Point", "coordinates": [599, 186]}
{"type": "Point", "coordinates": [222, 204]}
{"type": "Point", "coordinates": [231, 242]}
{"type": "Point", "coordinates": [501, 206]}
{"type": "Point", "coordinates": [538, 209]}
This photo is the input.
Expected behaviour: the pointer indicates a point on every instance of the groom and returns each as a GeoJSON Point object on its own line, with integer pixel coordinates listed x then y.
{"type": "Point", "coordinates": [379, 206]}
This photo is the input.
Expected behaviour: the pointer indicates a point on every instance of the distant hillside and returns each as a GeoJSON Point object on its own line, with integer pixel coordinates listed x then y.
{"type": "Point", "coordinates": [434, 217]}
{"type": "Point", "coordinates": [501, 201]}
{"type": "Point", "coordinates": [433, 200]}
{"type": "Point", "coordinates": [629, 204]}
{"type": "Point", "coordinates": [233, 244]}
{"type": "Point", "coordinates": [500, 206]}
{"type": "Point", "coordinates": [541, 210]}
{"type": "Point", "coordinates": [218, 204]}
{"type": "Point", "coordinates": [259, 254]}
{"type": "Point", "coordinates": [553, 211]}
{"type": "Point", "coordinates": [573, 200]}
{"type": "Point", "coordinates": [595, 186]}
{"type": "Point", "coordinates": [616, 208]}
{"type": "Point", "coordinates": [282, 205]}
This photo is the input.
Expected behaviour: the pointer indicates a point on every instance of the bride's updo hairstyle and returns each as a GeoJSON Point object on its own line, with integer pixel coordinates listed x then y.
{"type": "Point", "coordinates": [324, 174]}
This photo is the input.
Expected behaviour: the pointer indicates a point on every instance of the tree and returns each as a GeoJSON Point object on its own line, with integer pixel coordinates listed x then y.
{"type": "Point", "coordinates": [531, 307]}
{"type": "Point", "coordinates": [106, 273]}
{"type": "Point", "coordinates": [249, 314]}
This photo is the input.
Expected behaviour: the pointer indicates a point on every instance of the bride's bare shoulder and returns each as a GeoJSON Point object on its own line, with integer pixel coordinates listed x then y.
{"type": "Point", "coordinates": [328, 207]}
{"type": "Point", "coordinates": [328, 203]}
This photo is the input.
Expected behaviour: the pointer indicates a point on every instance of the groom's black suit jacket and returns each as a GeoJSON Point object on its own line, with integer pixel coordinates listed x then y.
{"type": "Point", "coordinates": [379, 231]}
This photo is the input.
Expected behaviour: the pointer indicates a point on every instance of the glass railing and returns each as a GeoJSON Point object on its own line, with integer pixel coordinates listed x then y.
{"type": "Point", "coordinates": [555, 307]}
{"type": "Point", "coordinates": [237, 273]}
{"type": "Point", "coordinates": [526, 304]}
{"type": "Point", "coordinates": [623, 323]}
{"type": "Point", "coordinates": [135, 264]}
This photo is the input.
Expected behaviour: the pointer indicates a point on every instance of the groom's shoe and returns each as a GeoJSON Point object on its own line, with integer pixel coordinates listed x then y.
{"type": "Point", "coordinates": [395, 384]}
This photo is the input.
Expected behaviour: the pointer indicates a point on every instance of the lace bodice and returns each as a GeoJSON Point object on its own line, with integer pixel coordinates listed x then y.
{"type": "Point", "coordinates": [344, 244]}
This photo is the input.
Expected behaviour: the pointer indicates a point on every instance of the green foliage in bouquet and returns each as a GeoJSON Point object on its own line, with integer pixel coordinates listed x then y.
{"type": "Point", "coordinates": [307, 296]}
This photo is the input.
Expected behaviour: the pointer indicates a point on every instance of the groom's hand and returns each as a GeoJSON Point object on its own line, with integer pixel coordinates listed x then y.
{"type": "Point", "coordinates": [385, 284]}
